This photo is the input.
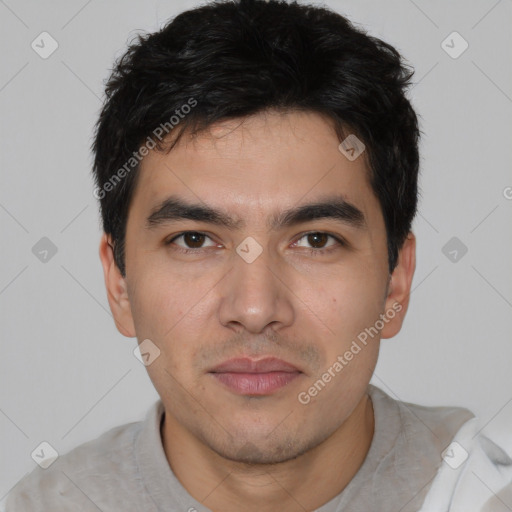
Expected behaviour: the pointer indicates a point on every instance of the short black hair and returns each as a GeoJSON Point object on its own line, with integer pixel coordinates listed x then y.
{"type": "Point", "coordinates": [232, 59]}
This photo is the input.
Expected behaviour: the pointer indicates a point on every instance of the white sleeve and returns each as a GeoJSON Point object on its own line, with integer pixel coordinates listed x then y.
{"type": "Point", "coordinates": [475, 475]}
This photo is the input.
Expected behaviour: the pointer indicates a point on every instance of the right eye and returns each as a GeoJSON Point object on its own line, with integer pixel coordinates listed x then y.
{"type": "Point", "coordinates": [192, 240]}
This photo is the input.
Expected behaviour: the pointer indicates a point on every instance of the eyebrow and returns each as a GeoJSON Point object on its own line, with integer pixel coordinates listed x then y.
{"type": "Point", "coordinates": [332, 207]}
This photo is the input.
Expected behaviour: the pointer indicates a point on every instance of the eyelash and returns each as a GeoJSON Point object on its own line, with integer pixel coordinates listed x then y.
{"type": "Point", "coordinates": [314, 252]}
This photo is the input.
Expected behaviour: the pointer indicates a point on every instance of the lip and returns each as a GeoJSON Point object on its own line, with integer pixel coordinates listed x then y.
{"type": "Point", "coordinates": [246, 376]}
{"type": "Point", "coordinates": [248, 365]}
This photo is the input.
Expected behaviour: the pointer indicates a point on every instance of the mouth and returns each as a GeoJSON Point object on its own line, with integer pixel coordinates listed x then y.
{"type": "Point", "coordinates": [245, 376]}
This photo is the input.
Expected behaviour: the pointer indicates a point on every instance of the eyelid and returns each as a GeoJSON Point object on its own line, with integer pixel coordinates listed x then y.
{"type": "Point", "coordinates": [336, 237]}
{"type": "Point", "coordinates": [179, 235]}
{"type": "Point", "coordinates": [340, 241]}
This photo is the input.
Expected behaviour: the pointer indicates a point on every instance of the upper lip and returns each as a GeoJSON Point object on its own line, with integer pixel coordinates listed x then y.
{"type": "Point", "coordinates": [248, 365]}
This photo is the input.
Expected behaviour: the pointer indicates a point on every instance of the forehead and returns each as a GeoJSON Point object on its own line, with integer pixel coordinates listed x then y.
{"type": "Point", "coordinates": [257, 165]}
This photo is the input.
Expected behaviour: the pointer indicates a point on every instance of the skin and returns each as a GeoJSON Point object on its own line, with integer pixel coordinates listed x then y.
{"type": "Point", "coordinates": [230, 451]}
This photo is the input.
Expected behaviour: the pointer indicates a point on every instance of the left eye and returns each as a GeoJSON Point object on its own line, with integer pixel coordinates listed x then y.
{"type": "Point", "coordinates": [318, 239]}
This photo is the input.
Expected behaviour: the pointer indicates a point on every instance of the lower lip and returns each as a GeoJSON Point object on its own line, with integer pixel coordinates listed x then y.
{"type": "Point", "coordinates": [255, 383]}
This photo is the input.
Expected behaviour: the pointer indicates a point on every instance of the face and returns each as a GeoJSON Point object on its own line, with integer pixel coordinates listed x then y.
{"type": "Point", "coordinates": [259, 308]}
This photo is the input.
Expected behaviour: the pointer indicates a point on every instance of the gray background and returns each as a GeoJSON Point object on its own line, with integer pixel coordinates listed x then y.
{"type": "Point", "coordinates": [68, 375]}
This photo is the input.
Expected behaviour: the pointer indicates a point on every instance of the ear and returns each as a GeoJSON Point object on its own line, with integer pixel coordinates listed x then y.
{"type": "Point", "coordinates": [116, 289]}
{"type": "Point", "coordinates": [399, 289]}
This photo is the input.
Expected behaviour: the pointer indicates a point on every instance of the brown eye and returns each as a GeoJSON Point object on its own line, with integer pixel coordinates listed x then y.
{"type": "Point", "coordinates": [318, 240]}
{"type": "Point", "coordinates": [191, 240]}
{"type": "Point", "coordinates": [317, 243]}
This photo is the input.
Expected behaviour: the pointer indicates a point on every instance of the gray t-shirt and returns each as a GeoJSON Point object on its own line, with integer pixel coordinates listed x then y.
{"type": "Point", "coordinates": [126, 469]}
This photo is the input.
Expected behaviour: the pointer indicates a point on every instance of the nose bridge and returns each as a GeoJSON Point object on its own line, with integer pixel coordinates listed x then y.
{"type": "Point", "coordinates": [252, 293]}
{"type": "Point", "coordinates": [253, 264]}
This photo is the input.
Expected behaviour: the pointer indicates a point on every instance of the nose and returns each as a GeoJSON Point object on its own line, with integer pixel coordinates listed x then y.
{"type": "Point", "coordinates": [255, 295]}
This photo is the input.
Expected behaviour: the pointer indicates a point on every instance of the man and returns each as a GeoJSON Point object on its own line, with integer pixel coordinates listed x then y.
{"type": "Point", "coordinates": [256, 164]}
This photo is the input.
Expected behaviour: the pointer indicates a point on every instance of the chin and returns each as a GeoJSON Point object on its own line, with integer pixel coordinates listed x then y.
{"type": "Point", "coordinates": [262, 448]}
{"type": "Point", "coordinates": [252, 454]}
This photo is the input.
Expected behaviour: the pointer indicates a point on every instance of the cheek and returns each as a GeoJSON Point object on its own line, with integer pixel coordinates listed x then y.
{"type": "Point", "coordinates": [169, 320]}
{"type": "Point", "coordinates": [351, 349]}
{"type": "Point", "coordinates": [173, 312]}
{"type": "Point", "coordinates": [159, 311]}
{"type": "Point", "coordinates": [350, 303]}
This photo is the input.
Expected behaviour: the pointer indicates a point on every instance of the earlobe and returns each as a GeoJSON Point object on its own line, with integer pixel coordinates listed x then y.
{"type": "Point", "coordinates": [116, 288]}
{"type": "Point", "coordinates": [399, 288]}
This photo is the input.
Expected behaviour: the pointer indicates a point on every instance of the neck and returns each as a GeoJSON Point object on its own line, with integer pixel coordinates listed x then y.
{"type": "Point", "coordinates": [227, 486]}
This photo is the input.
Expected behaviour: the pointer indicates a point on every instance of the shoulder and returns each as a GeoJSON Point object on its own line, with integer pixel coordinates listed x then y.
{"type": "Point", "coordinates": [79, 479]}
{"type": "Point", "coordinates": [409, 442]}
{"type": "Point", "coordinates": [434, 426]}
{"type": "Point", "coordinates": [472, 471]}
